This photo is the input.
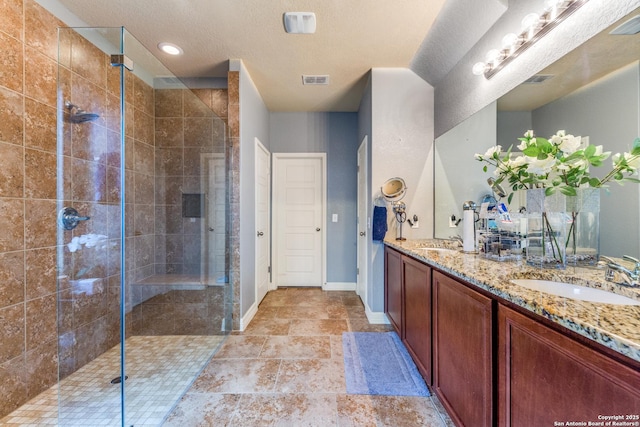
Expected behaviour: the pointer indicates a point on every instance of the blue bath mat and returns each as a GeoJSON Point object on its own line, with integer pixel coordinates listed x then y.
{"type": "Point", "coordinates": [378, 363]}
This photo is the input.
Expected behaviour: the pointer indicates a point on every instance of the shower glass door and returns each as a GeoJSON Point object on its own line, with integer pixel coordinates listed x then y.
{"type": "Point", "coordinates": [144, 299]}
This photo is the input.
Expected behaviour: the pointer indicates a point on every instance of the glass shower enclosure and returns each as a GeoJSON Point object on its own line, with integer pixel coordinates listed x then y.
{"type": "Point", "coordinates": [144, 299]}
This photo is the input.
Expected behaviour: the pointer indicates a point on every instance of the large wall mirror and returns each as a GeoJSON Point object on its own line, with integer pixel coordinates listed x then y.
{"type": "Point", "coordinates": [593, 91]}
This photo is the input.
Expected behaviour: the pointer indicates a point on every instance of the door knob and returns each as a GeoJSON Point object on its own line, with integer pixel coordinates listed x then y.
{"type": "Point", "coordinates": [318, 229]}
{"type": "Point", "coordinates": [260, 234]}
{"type": "Point", "coordinates": [362, 233]}
{"type": "Point", "coordinates": [211, 229]}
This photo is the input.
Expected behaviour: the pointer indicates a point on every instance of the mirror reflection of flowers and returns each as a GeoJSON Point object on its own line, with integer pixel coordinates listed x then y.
{"type": "Point", "coordinates": [561, 162]}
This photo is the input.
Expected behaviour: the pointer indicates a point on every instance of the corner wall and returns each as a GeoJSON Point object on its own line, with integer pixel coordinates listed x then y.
{"type": "Point", "coordinates": [252, 122]}
{"type": "Point", "coordinates": [401, 146]}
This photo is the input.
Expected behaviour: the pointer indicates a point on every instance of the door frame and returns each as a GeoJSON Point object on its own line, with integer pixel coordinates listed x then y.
{"type": "Point", "coordinates": [362, 244]}
{"type": "Point", "coordinates": [260, 147]}
{"type": "Point", "coordinates": [276, 159]}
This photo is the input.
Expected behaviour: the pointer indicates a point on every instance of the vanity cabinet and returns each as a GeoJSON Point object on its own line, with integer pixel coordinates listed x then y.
{"type": "Point", "coordinates": [408, 306]}
{"type": "Point", "coordinates": [546, 377]}
{"type": "Point", "coordinates": [393, 288]}
{"type": "Point", "coordinates": [463, 351]}
{"type": "Point", "coordinates": [417, 314]}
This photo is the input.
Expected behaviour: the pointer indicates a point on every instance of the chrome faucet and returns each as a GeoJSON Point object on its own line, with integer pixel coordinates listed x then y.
{"type": "Point", "coordinates": [457, 238]}
{"type": "Point", "coordinates": [621, 275]}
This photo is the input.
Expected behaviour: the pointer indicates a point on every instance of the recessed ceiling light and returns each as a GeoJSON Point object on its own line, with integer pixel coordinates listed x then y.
{"type": "Point", "coordinates": [170, 48]}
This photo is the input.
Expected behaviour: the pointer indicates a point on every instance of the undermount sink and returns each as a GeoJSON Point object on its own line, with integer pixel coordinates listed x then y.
{"type": "Point", "coordinates": [442, 250]}
{"type": "Point", "coordinates": [568, 290]}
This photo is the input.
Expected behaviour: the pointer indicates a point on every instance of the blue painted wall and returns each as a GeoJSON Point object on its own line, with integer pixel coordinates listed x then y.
{"type": "Point", "coordinates": [335, 134]}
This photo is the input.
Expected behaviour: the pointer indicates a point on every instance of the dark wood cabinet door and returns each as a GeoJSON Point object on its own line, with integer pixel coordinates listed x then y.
{"type": "Point", "coordinates": [417, 314]}
{"type": "Point", "coordinates": [393, 288]}
{"type": "Point", "coordinates": [545, 377]}
{"type": "Point", "coordinates": [462, 351]}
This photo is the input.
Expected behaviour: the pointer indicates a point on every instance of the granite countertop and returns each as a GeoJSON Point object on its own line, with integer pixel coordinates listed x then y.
{"type": "Point", "coordinates": [614, 326]}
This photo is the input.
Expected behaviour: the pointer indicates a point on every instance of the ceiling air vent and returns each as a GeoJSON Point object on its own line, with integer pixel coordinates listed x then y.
{"type": "Point", "coordinates": [632, 26]}
{"type": "Point", "coordinates": [315, 80]}
{"type": "Point", "coordinates": [538, 78]}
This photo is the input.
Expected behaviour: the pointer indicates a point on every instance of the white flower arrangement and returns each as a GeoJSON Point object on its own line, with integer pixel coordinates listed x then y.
{"type": "Point", "coordinates": [561, 163]}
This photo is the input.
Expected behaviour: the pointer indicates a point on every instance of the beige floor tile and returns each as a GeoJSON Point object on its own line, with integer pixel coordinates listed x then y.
{"type": "Point", "coordinates": [290, 347]}
{"type": "Point", "coordinates": [204, 409]}
{"type": "Point", "coordinates": [382, 411]}
{"type": "Point", "coordinates": [318, 327]}
{"type": "Point", "coordinates": [336, 347]}
{"type": "Point", "coordinates": [290, 410]}
{"type": "Point", "coordinates": [363, 325]}
{"type": "Point", "coordinates": [299, 312]}
{"type": "Point", "coordinates": [311, 376]}
{"type": "Point", "coordinates": [268, 312]}
{"type": "Point", "coordinates": [241, 346]}
{"type": "Point", "coordinates": [268, 327]}
{"type": "Point", "coordinates": [352, 300]}
{"type": "Point", "coordinates": [238, 376]}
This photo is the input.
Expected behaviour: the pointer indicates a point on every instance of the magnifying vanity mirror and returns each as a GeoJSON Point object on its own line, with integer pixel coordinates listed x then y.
{"type": "Point", "coordinates": [393, 189]}
{"type": "Point", "coordinates": [594, 92]}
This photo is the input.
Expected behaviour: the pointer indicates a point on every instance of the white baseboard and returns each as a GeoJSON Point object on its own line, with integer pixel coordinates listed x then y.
{"type": "Point", "coordinates": [246, 319]}
{"type": "Point", "coordinates": [339, 286]}
{"type": "Point", "coordinates": [376, 317]}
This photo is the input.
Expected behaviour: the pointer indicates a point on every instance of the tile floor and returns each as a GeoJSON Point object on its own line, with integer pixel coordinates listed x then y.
{"type": "Point", "coordinates": [160, 368]}
{"type": "Point", "coordinates": [287, 369]}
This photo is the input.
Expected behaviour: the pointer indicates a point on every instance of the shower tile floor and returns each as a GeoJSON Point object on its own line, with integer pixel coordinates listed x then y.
{"type": "Point", "coordinates": [160, 369]}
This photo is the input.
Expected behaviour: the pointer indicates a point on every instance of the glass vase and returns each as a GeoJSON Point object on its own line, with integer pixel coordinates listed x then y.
{"type": "Point", "coordinates": [563, 230]}
{"type": "Point", "coordinates": [583, 233]}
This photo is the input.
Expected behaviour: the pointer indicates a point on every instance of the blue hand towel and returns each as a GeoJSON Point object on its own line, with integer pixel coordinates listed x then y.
{"type": "Point", "coordinates": [379, 223]}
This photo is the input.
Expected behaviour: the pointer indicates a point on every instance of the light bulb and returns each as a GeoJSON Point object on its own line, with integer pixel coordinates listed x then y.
{"type": "Point", "coordinates": [529, 24]}
{"type": "Point", "coordinates": [479, 68]}
{"type": "Point", "coordinates": [529, 21]}
{"type": "Point", "coordinates": [509, 42]}
{"type": "Point", "coordinates": [493, 56]}
{"type": "Point", "coordinates": [551, 7]}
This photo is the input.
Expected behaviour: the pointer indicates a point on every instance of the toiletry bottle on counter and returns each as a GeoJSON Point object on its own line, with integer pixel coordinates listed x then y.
{"type": "Point", "coordinates": [469, 226]}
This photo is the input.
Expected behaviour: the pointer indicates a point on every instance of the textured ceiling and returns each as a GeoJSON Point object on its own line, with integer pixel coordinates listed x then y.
{"type": "Point", "coordinates": [352, 36]}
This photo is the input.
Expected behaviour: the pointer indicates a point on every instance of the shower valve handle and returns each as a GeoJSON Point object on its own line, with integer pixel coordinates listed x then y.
{"type": "Point", "coordinates": [68, 218]}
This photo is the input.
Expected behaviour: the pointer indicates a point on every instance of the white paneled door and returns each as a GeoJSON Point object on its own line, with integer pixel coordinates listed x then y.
{"type": "Point", "coordinates": [299, 199]}
{"type": "Point", "coordinates": [363, 222]}
{"type": "Point", "coordinates": [213, 242]}
{"type": "Point", "coordinates": [263, 225]}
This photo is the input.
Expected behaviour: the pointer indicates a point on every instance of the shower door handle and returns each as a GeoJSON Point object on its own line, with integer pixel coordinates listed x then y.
{"type": "Point", "coordinates": [68, 218]}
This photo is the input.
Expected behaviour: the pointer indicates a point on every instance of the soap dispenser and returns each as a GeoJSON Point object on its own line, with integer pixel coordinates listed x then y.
{"type": "Point", "coordinates": [469, 226]}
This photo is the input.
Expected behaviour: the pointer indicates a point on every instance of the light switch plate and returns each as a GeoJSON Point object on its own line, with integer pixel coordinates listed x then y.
{"type": "Point", "coordinates": [334, 218]}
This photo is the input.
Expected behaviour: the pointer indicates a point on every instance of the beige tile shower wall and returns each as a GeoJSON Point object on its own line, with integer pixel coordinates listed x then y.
{"type": "Point", "coordinates": [185, 128]}
{"type": "Point", "coordinates": [89, 286]}
{"type": "Point", "coordinates": [28, 341]}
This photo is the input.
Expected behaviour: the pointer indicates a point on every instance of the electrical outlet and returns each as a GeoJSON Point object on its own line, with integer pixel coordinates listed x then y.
{"type": "Point", "coordinates": [452, 221]}
{"type": "Point", "coordinates": [415, 224]}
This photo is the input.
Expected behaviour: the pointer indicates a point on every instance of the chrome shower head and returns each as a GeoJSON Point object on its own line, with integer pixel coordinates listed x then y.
{"type": "Point", "coordinates": [78, 115]}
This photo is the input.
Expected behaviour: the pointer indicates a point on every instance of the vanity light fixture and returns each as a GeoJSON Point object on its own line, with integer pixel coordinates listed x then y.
{"type": "Point", "coordinates": [534, 27]}
{"type": "Point", "coordinates": [170, 48]}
